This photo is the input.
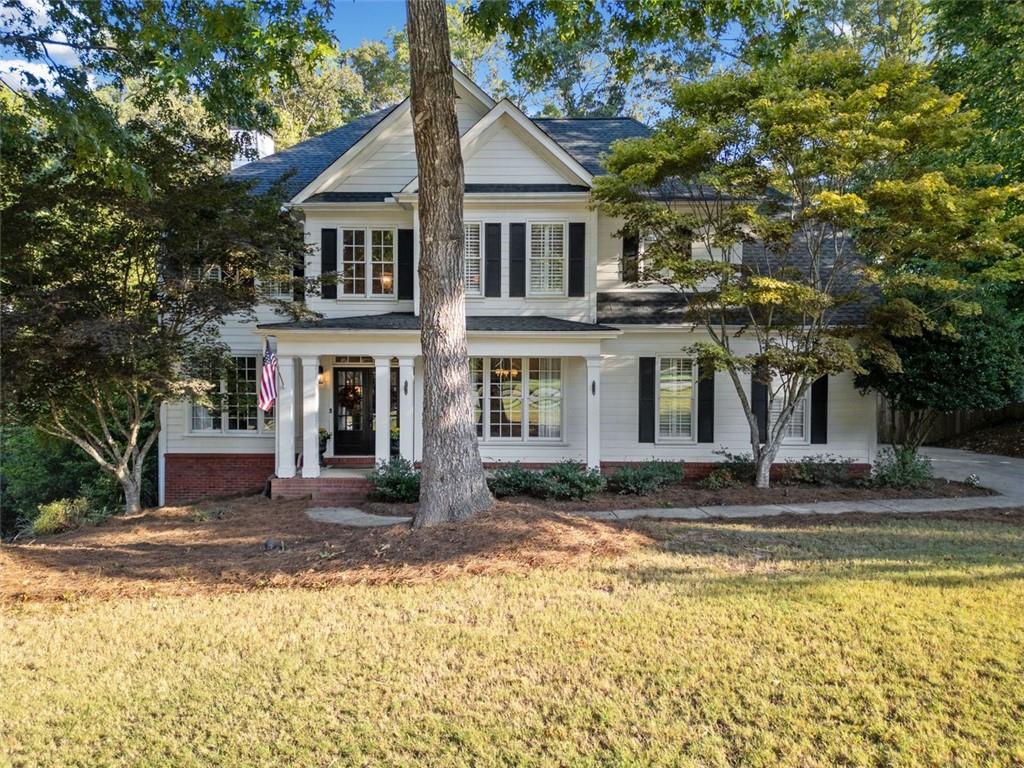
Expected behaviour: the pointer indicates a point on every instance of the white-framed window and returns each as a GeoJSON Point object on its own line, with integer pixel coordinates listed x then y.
{"type": "Point", "coordinates": [676, 399]}
{"type": "Point", "coordinates": [367, 261]}
{"type": "Point", "coordinates": [473, 257]}
{"type": "Point", "coordinates": [207, 272]}
{"type": "Point", "coordinates": [234, 409]}
{"type": "Point", "coordinates": [280, 288]}
{"type": "Point", "coordinates": [517, 398]}
{"type": "Point", "coordinates": [797, 429]}
{"type": "Point", "coordinates": [547, 259]}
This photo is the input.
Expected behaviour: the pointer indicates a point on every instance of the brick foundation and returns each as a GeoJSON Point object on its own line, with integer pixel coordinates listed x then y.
{"type": "Point", "coordinates": [193, 476]}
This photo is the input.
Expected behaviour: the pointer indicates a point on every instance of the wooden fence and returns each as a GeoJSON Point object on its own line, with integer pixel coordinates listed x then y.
{"type": "Point", "coordinates": [946, 425]}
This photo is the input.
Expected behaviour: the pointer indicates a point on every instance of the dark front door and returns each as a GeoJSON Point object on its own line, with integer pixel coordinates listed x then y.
{"type": "Point", "coordinates": [353, 412]}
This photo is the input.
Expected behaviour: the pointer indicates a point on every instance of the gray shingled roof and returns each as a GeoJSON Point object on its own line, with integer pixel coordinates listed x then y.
{"type": "Point", "coordinates": [588, 138]}
{"type": "Point", "coordinates": [308, 158]}
{"type": "Point", "coordinates": [406, 321]}
{"type": "Point", "coordinates": [668, 307]}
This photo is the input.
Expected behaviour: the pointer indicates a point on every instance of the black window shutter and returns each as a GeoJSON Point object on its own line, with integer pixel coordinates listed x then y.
{"type": "Point", "coordinates": [406, 273]}
{"type": "Point", "coordinates": [299, 273]}
{"type": "Point", "coordinates": [819, 410]}
{"type": "Point", "coordinates": [706, 405]}
{"type": "Point", "coordinates": [647, 385]}
{"type": "Point", "coordinates": [759, 405]}
{"type": "Point", "coordinates": [328, 262]}
{"type": "Point", "coordinates": [516, 259]}
{"type": "Point", "coordinates": [577, 259]}
{"type": "Point", "coordinates": [492, 260]}
{"type": "Point", "coordinates": [631, 258]}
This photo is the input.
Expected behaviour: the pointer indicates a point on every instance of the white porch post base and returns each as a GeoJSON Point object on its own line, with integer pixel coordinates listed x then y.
{"type": "Point", "coordinates": [285, 412]}
{"type": "Point", "coordinates": [310, 417]}
{"type": "Point", "coordinates": [406, 417]}
{"type": "Point", "coordinates": [593, 395]}
{"type": "Point", "coordinates": [382, 410]}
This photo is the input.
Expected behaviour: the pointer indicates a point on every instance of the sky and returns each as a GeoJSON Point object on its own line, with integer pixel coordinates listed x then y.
{"type": "Point", "coordinates": [358, 20]}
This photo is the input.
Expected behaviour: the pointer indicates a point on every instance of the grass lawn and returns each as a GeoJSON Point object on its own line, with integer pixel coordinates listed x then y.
{"type": "Point", "coordinates": [796, 642]}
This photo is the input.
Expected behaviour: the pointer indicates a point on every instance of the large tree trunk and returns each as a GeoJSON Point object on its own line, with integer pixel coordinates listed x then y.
{"type": "Point", "coordinates": [453, 485]}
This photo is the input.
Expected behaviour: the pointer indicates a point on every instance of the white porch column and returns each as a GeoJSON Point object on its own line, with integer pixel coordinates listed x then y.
{"type": "Point", "coordinates": [593, 395]}
{"type": "Point", "coordinates": [382, 409]}
{"type": "Point", "coordinates": [310, 417]}
{"type": "Point", "coordinates": [285, 412]}
{"type": "Point", "coordinates": [406, 411]}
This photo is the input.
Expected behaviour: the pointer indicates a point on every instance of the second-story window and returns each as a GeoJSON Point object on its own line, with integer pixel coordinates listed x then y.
{"type": "Point", "coordinates": [367, 265]}
{"type": "Point", "coordinates": [473, 260]}
{"type": "Point", "coordinates": [547, 259]}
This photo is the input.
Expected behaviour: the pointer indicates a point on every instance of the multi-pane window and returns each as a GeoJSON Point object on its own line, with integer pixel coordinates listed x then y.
{"type": "Point", "coordinates": [547, 259]}
{"type": "Point", "coordinates": [498, 387]}
{"type": "Point", "coordinates": [545, 397]}
{"type": "Point", "coordinates": [473, 259]}
{"type": "Point", "coordinates": [796, 430]}
{"type": "Point", "coordinates": [233, 399]}
{"type": "Point", "coordinates": [476, 381]}
{"type": "Point", "coordinates": [367, 266]}
{"type": "Point", "coordinates": [382, 261]}
{"type": "Point", "coordinates": [675, 398]}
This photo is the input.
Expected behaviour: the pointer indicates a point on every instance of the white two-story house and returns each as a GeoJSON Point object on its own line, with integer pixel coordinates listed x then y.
{"type": "Point", "coordinates": [569, 358]}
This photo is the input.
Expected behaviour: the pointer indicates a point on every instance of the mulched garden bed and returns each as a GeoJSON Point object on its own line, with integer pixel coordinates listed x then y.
{"type": "Point", "coordinates": [689, 494]}
{"type": "Point", "coordinates": [1000, 440]}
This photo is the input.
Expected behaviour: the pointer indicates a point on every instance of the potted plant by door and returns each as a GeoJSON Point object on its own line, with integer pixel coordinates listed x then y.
{"type": "Point", "coordinates": [324, 435]}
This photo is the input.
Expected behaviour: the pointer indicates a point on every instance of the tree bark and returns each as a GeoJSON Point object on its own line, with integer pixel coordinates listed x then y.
{"type": "Point", "coordinates": [453, 485]}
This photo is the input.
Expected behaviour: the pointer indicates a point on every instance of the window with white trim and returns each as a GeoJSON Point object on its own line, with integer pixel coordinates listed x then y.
{"type": "Point", "coordinates": [547, 259]}
{"type": "Point", "coordinates": [233, 408]}
{"type": "Point", "coordinates": [473, 258]}
{"type": "Point", "coordinates": [676, 398]}
{"type": "Point", "coordinates": [796, 429]}
{"type": "Point", "coordinates": [502, 386]}
{"type": "Point", "coordinates": [367, 262]}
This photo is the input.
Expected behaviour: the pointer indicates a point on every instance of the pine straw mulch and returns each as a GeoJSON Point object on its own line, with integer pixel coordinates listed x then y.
{"type": "Point", "coordinates": [1000, 440]}
{"type": "Point", "coordinates": [170, 551]}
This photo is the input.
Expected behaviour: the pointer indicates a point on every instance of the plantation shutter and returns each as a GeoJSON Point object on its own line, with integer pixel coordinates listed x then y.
{"type": "Point", "coordinates": [648, 382]}
{"type": "Point", "coordinates": [492, 260]}
{"type": "Point", "coordinates": [631, 258]}
{"type": "Point", "coordinates": [819, 410]}
{"type": "Point", "coordinates": [406, 273]}
{"type": "Point", "coordinates": [328, 262]}
{"type": "Point", "coordinates": [759, 405]}
{"type": "Point", "coordinates": [706, 405]}
{"type": "Point", "coordinates": [517, 259]}
{"type": "Point", "coordinates": [299, 273]}
{"type": "Point", "coordinates": [577, 259]}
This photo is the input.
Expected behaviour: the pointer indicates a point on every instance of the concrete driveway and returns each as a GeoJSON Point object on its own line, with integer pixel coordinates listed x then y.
{"type": "Point", "coordinates": [1000, 473]}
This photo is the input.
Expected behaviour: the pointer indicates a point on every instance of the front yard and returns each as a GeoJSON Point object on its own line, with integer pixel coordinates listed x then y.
{"type": "Point", "coordinates": [787, 641]}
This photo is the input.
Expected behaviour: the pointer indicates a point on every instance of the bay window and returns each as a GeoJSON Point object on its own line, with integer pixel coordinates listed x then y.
{"type": "Point", "coordinates": [473, 259]}
{"type": "Point", "coordinates": [547, 259]}
{"type": "Point", "coordinates": [517, 398]}
{"type": "Point", "coordinates": [367, 262]}
{"type": "Point", "coordinates": [676, 395]}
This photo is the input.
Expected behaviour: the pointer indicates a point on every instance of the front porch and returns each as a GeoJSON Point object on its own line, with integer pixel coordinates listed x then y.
{"type": "Point", "coordinates": [537, 401]}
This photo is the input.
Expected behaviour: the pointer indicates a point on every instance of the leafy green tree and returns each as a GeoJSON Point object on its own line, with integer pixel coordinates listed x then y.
{"type": "Point", "coordinates": [113, 296]}
{"type": "Point", "coordinates": [323, 96]}
{"type": "Point", "coordinates": [227, 53]}
{"type": "Point", "coordinates": [786, 163]}
{"type": "Point", "coordinates": [964, 363]}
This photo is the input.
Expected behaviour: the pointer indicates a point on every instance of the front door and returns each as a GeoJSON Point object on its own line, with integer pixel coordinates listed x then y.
{"type": "Point", "coordinates": [353, 412]}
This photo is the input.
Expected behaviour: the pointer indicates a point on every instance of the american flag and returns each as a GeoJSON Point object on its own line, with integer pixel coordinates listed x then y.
{"type": "Point", "coordinates": [268, 381]}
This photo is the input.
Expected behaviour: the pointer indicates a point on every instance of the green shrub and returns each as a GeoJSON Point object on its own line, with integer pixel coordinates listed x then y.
{"type": "Point", "coordinates": [647, 478]}
{"type": "Point", "coordinates": [718, 480]}
{"type": "Point", "coordinates": [823, 469]}
{"type": "Point", "coordinates": [739, 465]}
{"type": "Point", "coordinates": [568, 480]}
{"type": "Point", "coordinates": [395, 480]}
{"type": "Point", "coordinates": [66, 515]}
{"type": "Point", "coordinates": [900, 468]}
{"type": "Point", "coordinates": [512, 480]}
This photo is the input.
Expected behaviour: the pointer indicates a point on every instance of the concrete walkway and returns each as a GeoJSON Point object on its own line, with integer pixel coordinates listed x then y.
{"type": "Point", "coordinates": [1000, 473]}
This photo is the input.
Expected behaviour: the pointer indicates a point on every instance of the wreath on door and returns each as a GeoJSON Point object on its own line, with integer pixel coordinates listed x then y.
{"type": "Point", "coordinates": [350, 396]}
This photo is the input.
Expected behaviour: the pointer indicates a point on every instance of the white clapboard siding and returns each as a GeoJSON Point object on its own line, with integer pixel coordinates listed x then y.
{"type": "Point", "coordinates": [504, 157]}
